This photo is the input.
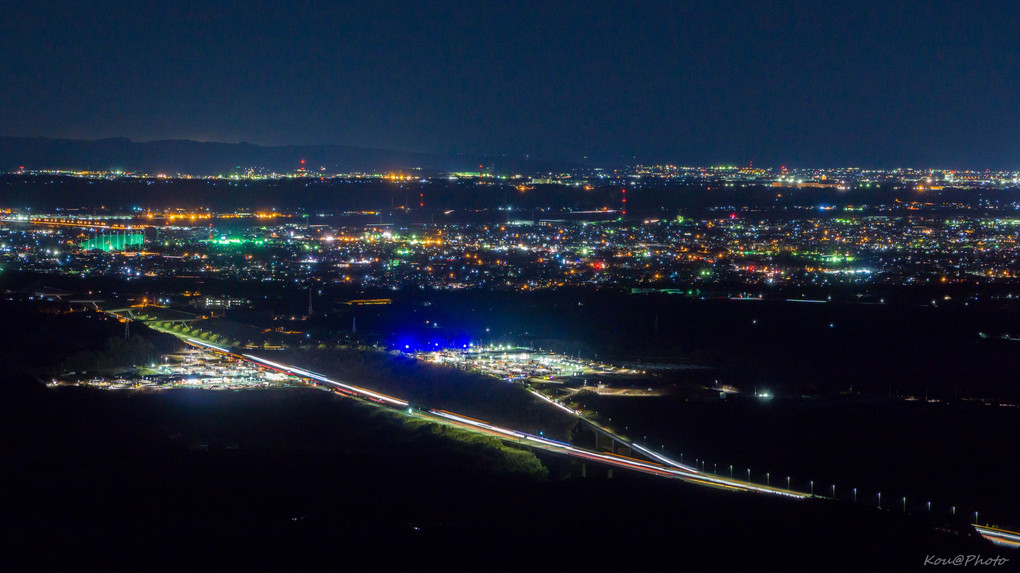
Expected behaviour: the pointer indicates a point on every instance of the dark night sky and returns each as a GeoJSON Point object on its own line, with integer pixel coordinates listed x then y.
{"type": "Point", "coordinates": [881, 84]}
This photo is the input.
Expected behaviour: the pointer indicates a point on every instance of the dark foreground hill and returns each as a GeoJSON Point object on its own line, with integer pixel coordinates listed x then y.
{"type": "Point", "coordinates": [202, 480]}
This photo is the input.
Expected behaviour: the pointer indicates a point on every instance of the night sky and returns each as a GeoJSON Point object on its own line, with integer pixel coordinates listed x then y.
{"type": "Point", "coordinates": [871, 84]}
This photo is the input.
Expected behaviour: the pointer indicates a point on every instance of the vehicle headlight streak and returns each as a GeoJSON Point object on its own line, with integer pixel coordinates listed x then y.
{"type": "Point", "coordinates": [207, 345]}
{"type": "Point", "coordinates": [681, 472]}
{"type": "Point", "coordinates": [324, 380]}
{"type": "Point", "coordinates": [663, 459]}
{"type": "Point", "coordinates": [553, 402]}
{"type": "Point", "coordinates": [659, 457]}
{"type": "Point", "coordinates": [998, 535]}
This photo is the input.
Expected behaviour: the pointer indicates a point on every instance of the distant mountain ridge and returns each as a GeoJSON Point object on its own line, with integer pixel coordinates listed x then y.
{"type": "Point", "coordinates": [179, 156]}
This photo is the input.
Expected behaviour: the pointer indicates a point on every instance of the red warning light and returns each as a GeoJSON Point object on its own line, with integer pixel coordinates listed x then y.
{"type": "Point", "coordinates": [302, 162]}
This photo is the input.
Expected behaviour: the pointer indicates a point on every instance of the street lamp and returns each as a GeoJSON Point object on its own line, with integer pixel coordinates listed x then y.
{"type": "Point", "coordinates": [812, 487]}
{"type": "Point", "coordinates": [904, 504]}
{"type": "Point", "coordinates": [748, 475]}
{"type": "Point", "coordinates": [879, 500]}
{"type": "Point", "coordinates": [731, 471]}
{"type": "Point", "coordinates": [855, 495]}
{"type": "Point", "coordinates": [767, 481]}
{"type": "Point", "coordinates": [833, 491]}
{"type": "Point", "coordinates": [787, 482]}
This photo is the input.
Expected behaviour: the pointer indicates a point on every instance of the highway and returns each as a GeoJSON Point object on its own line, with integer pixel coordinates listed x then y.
{"type": "Point", "coordinates": [999, 536]}
{"type": "Point", "coordinates": [667, 468]}
{"type": "Point", "coordinates": [75, 223]}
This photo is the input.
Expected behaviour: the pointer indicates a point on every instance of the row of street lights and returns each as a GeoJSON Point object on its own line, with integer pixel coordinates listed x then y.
{"type": "Point", "coordinates": [811, 486]}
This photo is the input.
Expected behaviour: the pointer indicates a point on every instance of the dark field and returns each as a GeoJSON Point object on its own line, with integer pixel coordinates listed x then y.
{"type": "Point", "coordinates": [958, 454]}
{"type": "Point", "coordinates": [192, 479]}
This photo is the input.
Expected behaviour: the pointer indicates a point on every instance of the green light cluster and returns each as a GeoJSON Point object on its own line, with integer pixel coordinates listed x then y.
{"type": "Point", "coordinates": [225, 241]}
{"type": "Point", "coordinates": [838, 258]}
{"type": "Point", "coordinates": [113, 242]}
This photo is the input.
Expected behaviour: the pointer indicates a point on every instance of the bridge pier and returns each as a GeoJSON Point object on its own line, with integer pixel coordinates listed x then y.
{"type": "Point", "coordinates": [613, 446]}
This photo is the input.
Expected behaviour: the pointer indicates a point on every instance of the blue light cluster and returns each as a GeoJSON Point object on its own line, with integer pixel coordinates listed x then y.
{"type": "Point", "coordinates": [429, 341]}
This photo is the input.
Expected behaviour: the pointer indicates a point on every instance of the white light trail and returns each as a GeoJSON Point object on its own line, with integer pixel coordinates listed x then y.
{"type": "Point", "coordinates": [323, 379]}
{"type": "Point", "coordinates": [207, 345]}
